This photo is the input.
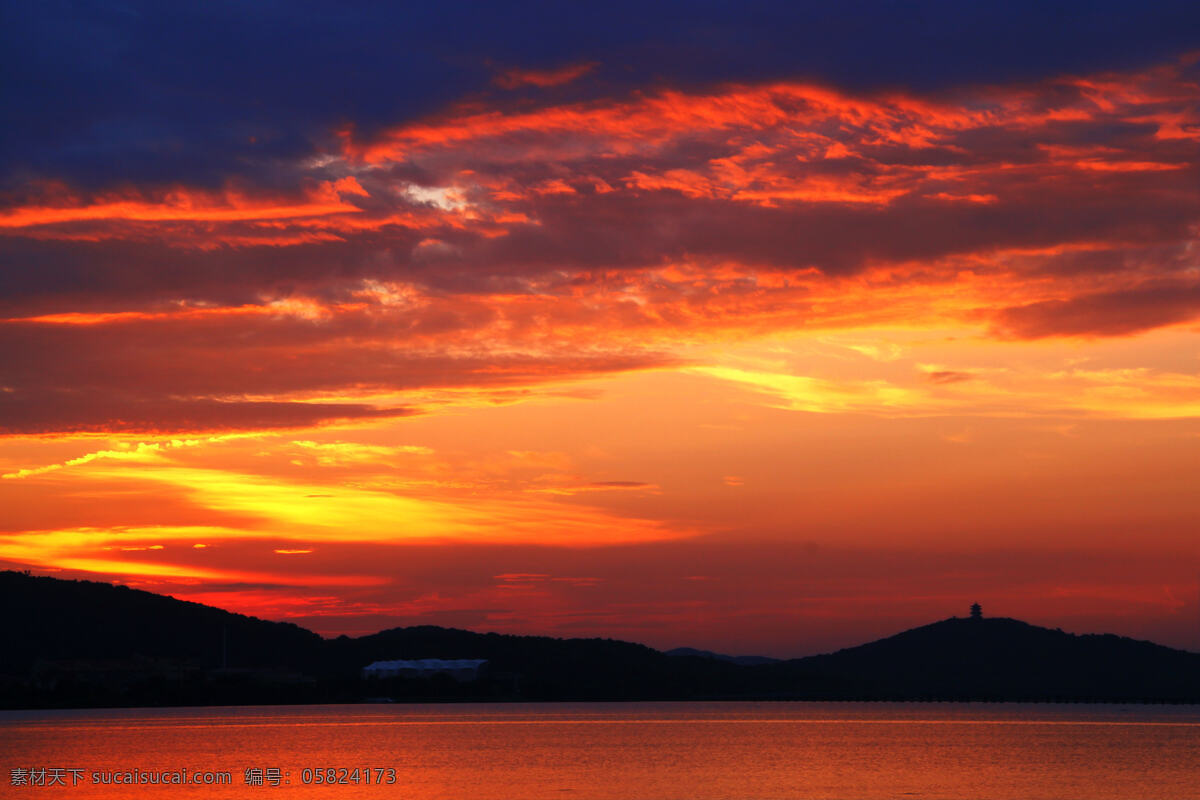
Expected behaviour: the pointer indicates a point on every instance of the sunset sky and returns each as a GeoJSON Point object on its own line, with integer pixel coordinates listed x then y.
{"type": "Point", "coordinates": [760, 329]}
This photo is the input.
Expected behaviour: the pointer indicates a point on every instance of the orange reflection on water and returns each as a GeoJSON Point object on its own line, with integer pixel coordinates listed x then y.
{"type": "Point", "coordinates": [624, 750]}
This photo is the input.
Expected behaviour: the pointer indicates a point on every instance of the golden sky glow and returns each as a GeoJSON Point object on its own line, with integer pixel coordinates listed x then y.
{"type": "Point", "coordinates": [767, 368]}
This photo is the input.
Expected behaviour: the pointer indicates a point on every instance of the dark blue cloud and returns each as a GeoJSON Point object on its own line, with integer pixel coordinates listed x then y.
{"type": "Point", "coordinates": [97, 93]}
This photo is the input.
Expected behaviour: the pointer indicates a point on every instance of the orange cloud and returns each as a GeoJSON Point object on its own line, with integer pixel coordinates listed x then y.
{"type": "Point", "coordinates": [190, 205]}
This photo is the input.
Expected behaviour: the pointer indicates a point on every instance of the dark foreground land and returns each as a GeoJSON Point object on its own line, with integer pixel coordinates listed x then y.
{"type": "Point", "coordinates": [78, 644]}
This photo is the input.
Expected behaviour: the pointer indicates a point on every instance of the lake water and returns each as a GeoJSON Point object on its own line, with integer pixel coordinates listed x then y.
{"type": "Point", "coordinates": [617, 751]}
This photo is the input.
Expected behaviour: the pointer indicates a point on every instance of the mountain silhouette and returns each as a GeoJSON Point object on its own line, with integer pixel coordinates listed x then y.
{"type": "Point", "coordinates": [998, 659]}
{"type": "Point", "coordinates": [745, 661]}
{"type": "Point", "coordinates": [81, 644]}
{"type": "Point", "coordinates": [48, 619]}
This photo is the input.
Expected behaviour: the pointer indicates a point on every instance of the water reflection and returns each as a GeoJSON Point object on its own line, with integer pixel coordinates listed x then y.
{"type": "Point", "coordinates": [622, 751]}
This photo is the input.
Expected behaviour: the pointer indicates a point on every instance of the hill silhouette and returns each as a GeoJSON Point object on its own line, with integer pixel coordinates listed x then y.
{"type": "Point", "coordinates": [998, 659]}
{"type": "Point", "coordinates": [545, 667]}
{"type": "Point", "coordinates": [745, 661]}
{"type": "Point", "coordinates": [81, 643]}
{"type": "Point", "coordinates": [48, 619]}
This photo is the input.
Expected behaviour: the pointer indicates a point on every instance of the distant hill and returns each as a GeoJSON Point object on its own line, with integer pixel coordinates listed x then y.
{"type": "Point", "coordinates": [997, 659]}
{"type": "Point", "coordinates": [81, 644]}
{"type": "Point", "coordinates": [48, 619]}
{"type": "Point", "coordinates": [745, 661]}
{"type": "Point", "coordinates": [548, 668]}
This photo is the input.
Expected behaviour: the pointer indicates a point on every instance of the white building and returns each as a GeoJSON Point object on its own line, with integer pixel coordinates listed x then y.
{"type": "Point", "coordinates": [461, 669]}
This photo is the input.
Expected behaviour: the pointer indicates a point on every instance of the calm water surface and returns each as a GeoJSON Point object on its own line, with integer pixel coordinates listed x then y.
{"type": "Point", "coordinates": [622, 751]}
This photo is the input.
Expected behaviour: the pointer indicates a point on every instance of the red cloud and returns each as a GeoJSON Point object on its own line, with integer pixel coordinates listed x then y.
{"type": "Point", "coordinates": [109, 410]}
{"type": "Point", "coordinates": [543, 78]}
{"type": "Point", "coordinates": [1102, 313]}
